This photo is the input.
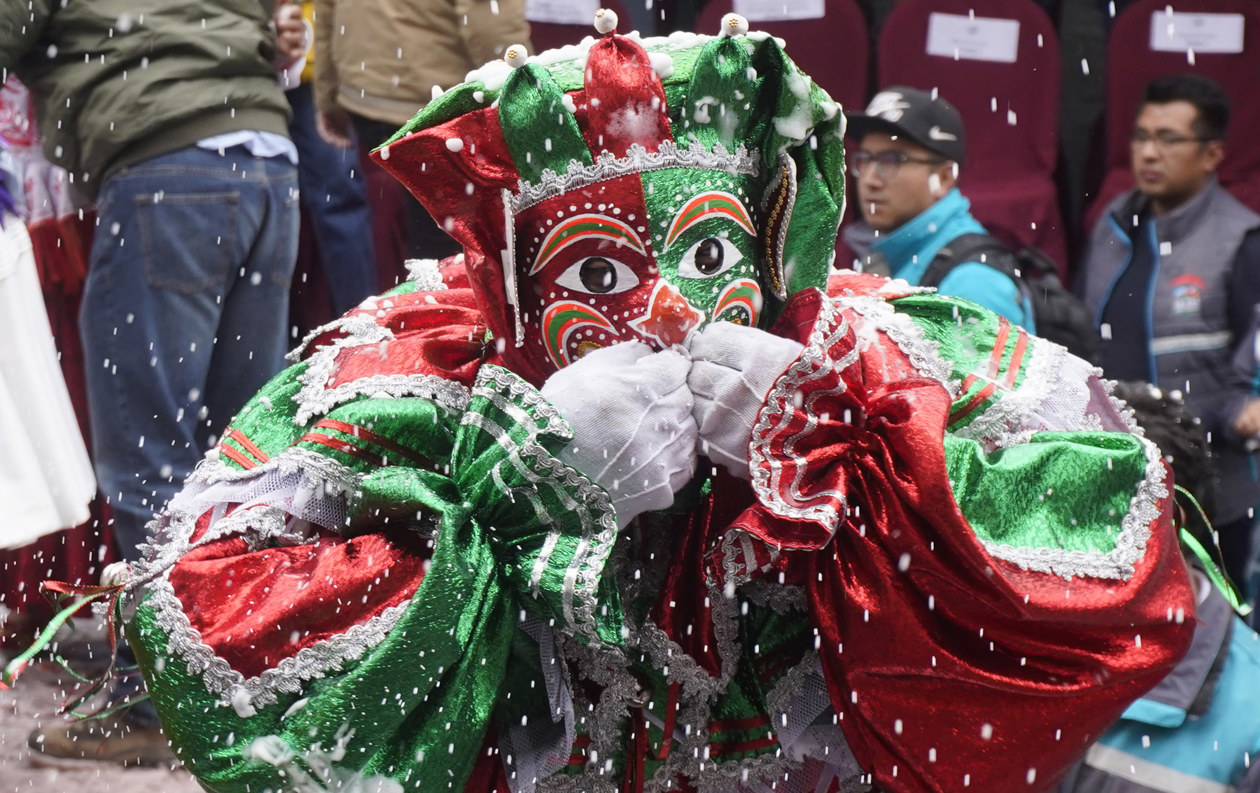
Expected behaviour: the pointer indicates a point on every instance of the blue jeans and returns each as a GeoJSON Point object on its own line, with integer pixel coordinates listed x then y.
{"type": "Point", "coordinates": [184, 315]}
{"type": "Point", "coordinates": [335, 197]}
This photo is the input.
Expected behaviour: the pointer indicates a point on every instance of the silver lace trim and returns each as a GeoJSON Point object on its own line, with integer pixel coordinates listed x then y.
{"type": "Point", "coordinates": [325, 471]}
{"type": "Point", "coordinates": [1118, 563]}
{"type": "Point", "coordinates": [310, 663]}
{"type": "Point", "coordinates": [231, 687]}
{"type": "Point", "coordinates": [260, 525]}
{"type": "Point", "coordinates": [424, 273]}
{"type": "Point", "coordinates": [316, 399]}
{"type": "Point", "coordinates": [777, 412]}
{"type": "Point", "coordinates": [1053, 376]}
{"type": "Point", "coordinates": [780, 598]}
{"type": "Point", "coordinates": [576, 493]}
{"type": "Point", "coordinates": [637, 160]}
{"type": "Point", "coordinates": [924, 354]}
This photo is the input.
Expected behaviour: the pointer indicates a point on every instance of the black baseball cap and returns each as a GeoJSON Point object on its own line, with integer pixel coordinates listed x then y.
{"type": "Point", "coordinates": [929, 121]}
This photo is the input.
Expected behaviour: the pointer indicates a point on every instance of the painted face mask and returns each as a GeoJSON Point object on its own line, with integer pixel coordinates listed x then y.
{"type": "Point", "coordinates": [630, 189]}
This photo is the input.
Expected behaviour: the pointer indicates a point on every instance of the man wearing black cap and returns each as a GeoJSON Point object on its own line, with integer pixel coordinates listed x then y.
{"type": "Point", "coordinates": [910, 149]}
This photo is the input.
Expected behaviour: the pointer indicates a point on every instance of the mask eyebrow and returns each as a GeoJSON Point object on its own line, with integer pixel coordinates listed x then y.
{"type": "Point", "coordinates": [582, 227]}
{"type": "Point", "coordinates": [705, 205]}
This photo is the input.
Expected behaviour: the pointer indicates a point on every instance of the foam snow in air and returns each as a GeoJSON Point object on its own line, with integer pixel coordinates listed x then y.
{"type": "Point", "coordinates": [634, 121]}
{"type": "Point", "coordinates": [662, 64]}
{"type": "Point", "coordinates": [798, 125]}
{"type": "Point", "coordinates": [492, 75]}
{"type": "Point", "coordinates": [241, 702]}
{"type": "Point", "coordinates": [761, 35]}
{"type": "Point", "coordinates": [701, 113]}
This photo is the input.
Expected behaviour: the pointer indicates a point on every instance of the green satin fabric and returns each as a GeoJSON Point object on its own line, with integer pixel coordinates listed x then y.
{"type": "Point", "coordinates": [1065, 490]}
{"type": "Point", "coordinates": [421, 700]}
{"type": "Point", "coordinates": [539, 132]}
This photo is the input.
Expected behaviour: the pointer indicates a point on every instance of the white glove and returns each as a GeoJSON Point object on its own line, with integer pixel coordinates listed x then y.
{"type": "Point", "coordinates": [631, 414]}
{"type": "Point", "coordinates": [733, 368]}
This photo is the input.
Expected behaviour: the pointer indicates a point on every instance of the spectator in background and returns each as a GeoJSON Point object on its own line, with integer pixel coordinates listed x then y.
{"type": "Point", "coordinates": [334, 196]}
{"type": "Point", "coordinates": [1172, 274]}
{"type": "Point", "coordinates": [910, 147]}
{"type": "Point", "coordinates": [380, 61]}
{"type": "Point", "coordinates": [181, 138]}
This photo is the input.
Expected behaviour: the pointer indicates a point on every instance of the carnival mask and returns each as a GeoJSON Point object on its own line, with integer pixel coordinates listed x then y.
{"type": "Point", "coordinates": [629, 189]}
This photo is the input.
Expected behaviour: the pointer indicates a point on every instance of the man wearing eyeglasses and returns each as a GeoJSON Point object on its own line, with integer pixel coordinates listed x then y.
{"type": "Point", "coordinates": [1172, 274]}
{"type": "Point", "coordinates": [910, 147]}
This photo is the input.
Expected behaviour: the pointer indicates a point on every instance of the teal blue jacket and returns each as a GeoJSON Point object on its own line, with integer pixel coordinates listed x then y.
{"type": "Point", "coordinates": [1198, 731]}
{"type": "Point", "coordinates": [910, 249]}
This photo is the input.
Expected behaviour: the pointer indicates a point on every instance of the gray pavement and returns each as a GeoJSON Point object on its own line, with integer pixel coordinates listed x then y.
{"type": "Point", "coordinates": [32, 704]}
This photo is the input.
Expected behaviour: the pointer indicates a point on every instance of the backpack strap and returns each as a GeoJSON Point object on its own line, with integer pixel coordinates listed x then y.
{"type": "Point", "coordinates": [983, 248]}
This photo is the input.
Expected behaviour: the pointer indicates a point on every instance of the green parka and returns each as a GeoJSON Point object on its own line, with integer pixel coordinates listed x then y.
{"type": "Point", "coordinates": [119, 81]}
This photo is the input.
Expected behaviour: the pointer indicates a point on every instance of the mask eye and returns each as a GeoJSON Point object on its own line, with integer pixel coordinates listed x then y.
{"type": "Point", "coordinates": [596, 275]}
{"type": "Point", "coordinates": [709, 257]}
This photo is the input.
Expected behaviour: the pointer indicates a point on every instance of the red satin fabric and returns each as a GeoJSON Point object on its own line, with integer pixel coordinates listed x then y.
{"type": "Point", "coordinates": [961, 672]}
{"type": "Point", "coordinates": [256, 608]}
{"type": "Point", "coordinates": [439, 177]}
{"type": "Point", "coordinates": [440, 334]}
{"type": "Point", "coordinates": [624, 101]}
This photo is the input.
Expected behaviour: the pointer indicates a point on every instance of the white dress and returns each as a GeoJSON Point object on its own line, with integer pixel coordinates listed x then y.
{"type": "Point", "coordinates": [46, 480]}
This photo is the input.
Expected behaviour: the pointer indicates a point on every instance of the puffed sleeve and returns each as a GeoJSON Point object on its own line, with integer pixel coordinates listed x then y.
{"type": "Point", "coordinates": [985, 543]}
{"type": "Point", "coordinates": [338, 594]}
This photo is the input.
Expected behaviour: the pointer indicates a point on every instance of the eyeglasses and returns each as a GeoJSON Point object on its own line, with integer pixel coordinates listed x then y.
{"type": "Point", "coordinates": [1163, 139]}
{"type": "Point", "coordinates": [887, 164]}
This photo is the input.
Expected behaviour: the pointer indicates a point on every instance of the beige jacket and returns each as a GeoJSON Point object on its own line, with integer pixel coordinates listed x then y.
{"type": "Point", "coordinates": [381, 58]}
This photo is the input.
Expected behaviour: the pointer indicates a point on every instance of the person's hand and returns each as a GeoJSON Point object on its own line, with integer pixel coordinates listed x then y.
{"type": "Point", "coordinates": [631, 415]}
{"type": "Point", "coordinates": [292, 35]}
{"type": "Point", "coordinates": [733, 368]}
{"type": "Point", "coordinates": [335, 128]}
{"type": "Point", "coordinates": [1247, 422]}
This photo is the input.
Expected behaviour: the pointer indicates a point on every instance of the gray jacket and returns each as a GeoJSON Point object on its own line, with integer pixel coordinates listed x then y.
{"type": "Point", "coordinates": [1191, 345]}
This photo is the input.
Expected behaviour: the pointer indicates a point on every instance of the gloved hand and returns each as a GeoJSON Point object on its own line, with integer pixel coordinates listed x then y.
{"type": "Point", "coordinates": [733, 368]}
{"type": "Point", "coordinates": [631, 414]}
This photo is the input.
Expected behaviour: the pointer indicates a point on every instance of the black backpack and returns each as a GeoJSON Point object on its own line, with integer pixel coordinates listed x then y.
{"type": "Point", "coordinates": [1060, 315]}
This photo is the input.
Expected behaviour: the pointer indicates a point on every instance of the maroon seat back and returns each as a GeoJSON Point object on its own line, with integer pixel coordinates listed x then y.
{"type": "Point", "coordinates": [1238, 73]}
{"type": "Point", "coordinates": [1011, 110]}
{"type": "Point", "coordinates": [834, 50]}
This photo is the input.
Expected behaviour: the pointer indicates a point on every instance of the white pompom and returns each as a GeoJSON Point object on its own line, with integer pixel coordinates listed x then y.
{"type": "Point", "coordinates": [605, 20]}
{"type": "Point", "coordinates": [516, 55]}
{"type": "Point", "coordinates": [115, 574]}
{"type": "Point", "coordinates": [733, 25]}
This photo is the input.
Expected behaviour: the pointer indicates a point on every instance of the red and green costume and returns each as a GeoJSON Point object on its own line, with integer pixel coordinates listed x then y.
{"type": "Point", "coordinates": [951, 566]}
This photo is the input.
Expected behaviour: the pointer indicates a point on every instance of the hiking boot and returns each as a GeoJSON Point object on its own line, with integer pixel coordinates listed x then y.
{"type": "Point", "coordinates": [115, 739]}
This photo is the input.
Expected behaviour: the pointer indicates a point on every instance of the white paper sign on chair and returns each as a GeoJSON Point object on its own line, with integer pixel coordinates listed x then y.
{"type": "Point", "coordinates": [561, 12]}
{"type": "Point", "coordinates": [1172, 31]}
{"type": "Point", "coordinates": [971, 38]}
{"type": "Point", "coordinates": [778, 10]}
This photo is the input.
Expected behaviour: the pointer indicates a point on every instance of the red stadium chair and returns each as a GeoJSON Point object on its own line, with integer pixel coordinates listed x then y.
{"type": "Point", "coordinates": [834, 50]}
{"type": "Point", "coordinates": [1011, 109]}
{"type": "Point", "coordinates": [1130, 47]}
